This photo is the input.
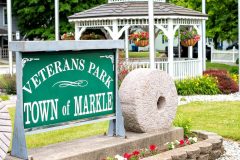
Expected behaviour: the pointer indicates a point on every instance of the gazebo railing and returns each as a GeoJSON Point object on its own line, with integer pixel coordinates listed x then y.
{"type": "Point", "coordinates": [182, 68]}
{"type": "Point", "coordinates": [114, 1]}
{"type": "Point", "coordinates": [186, 69]}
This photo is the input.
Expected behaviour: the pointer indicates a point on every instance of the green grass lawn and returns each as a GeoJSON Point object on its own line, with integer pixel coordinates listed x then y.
{"type": "Point", "coordinates": [44, 139]}
{"type": "Point", "coordinates": [220, 66]}
{"type": "Point", "coordinates": [141, 54]}
{"type": "Point", "coordinates": [220, 117]}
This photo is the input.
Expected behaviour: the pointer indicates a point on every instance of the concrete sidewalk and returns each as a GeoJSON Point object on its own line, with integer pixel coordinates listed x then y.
{"type": "Point", "coordinates": [11, 102]}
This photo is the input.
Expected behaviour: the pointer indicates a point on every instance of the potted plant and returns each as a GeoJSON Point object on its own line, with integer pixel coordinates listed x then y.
{"type": "Point", "coordinates": [68, 36]}
{"type": "Point", "coordinates": [140, 39]}
{"type": "Point", "coordinates": [189, 38]}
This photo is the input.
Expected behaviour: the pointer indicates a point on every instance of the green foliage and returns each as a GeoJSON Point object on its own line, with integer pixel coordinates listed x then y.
{"type": "Point", "coordinates": [222, 17]}
{"type": "Point", "coordinates": [237, 61]}
{"type": "Point", "coordinates": [186, 35]}
{"type": "Point", "coordinates": [36, 17]}
{"type": "Point", "coordinates": [201, 85]}
{"type": "Point", "coordinates": [234, 70]}
{"type": "Point", "coordinates": [185, 123]}
{"type": "Point", "coordinates": [8, 83]}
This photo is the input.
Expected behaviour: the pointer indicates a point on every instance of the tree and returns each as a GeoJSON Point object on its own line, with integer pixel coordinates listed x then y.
{"type": "Point", "coordinates": [222, 20]}
{"type": "Point", "coordinates": [36, 17]}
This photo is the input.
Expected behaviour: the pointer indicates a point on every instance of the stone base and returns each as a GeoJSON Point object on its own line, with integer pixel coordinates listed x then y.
{"type": "Point", "coordinates": [99, 147]}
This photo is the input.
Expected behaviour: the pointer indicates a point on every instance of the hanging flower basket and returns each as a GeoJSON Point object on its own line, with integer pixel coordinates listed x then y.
{"type": "Point", "coordinates": [188, 43]}
{"type": "Point", "coordinates": [189, 38]}
{"type": "Point", "coordinates": [68, 36]}
{"type": "Point", "coordinates": [140, 39]}
{"type": "Point", "coordinates": [141, 43]}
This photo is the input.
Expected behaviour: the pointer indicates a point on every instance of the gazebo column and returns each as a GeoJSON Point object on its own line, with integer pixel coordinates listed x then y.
{"type": "Point", "coordinates": [170, 32]}
{"type": "Point", "coordinates": [170, 47]}
{"type": "Point", "coordinates": [79, 31]}
{"type": "Point", "coordinates": [114, 32]}
{"type": "Point", "coordinates": [190, 52]}
{"type": "Point", "coordinates": [200, 49]}
{"type": "Point", "coordinates": [126, 44]}
{"type": "Point", "coordinates": [105, 33]}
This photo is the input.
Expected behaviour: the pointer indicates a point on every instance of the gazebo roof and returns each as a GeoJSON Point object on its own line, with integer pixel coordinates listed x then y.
{"type": "Point", "coordinates": [136, 9]}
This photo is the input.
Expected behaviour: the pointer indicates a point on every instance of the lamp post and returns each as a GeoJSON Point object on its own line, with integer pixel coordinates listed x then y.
{"type": "Point", "coordinates": [151, 33]}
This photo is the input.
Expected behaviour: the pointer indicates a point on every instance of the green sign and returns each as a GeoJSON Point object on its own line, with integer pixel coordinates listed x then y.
{"type": "Point", "coordinates": [67, 86]}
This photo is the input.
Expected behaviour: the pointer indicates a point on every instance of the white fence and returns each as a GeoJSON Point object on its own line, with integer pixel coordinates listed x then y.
{"type": "Point", "coordinates": [224, 56]}
{"type": "Point", "coordinates": [183, 68]}
{"type": "Point", "coordinates": [4, 53]}
{"type": "Point", "coordinates": [186, 69]}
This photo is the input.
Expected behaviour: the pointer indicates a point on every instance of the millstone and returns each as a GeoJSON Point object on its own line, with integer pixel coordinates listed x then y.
{"type": "Point", "coordinates": [149, 100]}
{"type": "Point", "coordinates": [5, 131]}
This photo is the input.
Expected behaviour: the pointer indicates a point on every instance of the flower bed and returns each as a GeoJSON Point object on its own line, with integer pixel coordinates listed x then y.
{"type": "Point", "coordinates": [154, 150]}
{"type": "Point", "coordinates": [210, 148]}
{"type": "Point", "coordinates": [226, 84]}
{"type": "Point", "coordinates": [205, 85]}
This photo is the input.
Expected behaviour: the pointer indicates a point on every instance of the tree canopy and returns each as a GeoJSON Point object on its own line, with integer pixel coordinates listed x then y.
{"type": "Point", "coordinates": [35, 18]}
{"type": "Point", "coordinates": [222, 23]}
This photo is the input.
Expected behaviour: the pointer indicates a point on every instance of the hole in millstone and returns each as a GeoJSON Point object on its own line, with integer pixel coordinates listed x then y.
{"type": "Point", "coordinates": [161, 102]}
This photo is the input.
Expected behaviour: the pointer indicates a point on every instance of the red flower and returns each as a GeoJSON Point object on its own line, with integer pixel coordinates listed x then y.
{"type": "Point", "coordinates": [125, 71]}
{"type": "Point", "coordinates": [187, 141]}
{"type": "Point", "coordinates": [152, 147]}
{"type": "Point", "coordinates": [181, 142]}
{"type": "Point", "coordinates": [136, 153]}
{"type": "Point", "coordinates": [126, 155]}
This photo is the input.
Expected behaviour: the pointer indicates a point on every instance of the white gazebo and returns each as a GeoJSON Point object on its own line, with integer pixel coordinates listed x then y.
{"type": "Point", "coordinates": [118, 16]}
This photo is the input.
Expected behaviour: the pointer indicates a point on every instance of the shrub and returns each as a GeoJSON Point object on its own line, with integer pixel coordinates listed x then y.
{"type": "Point", "coordinates": [8, 83]}
{"type": "Point", "coordinates": [235, 77]}
{"type": "Point", "coordinates": [225, 83]}
{"type": "Point", "coordinates": [201, 85]}
{"type": "Point", "coordinates": [185, 123]}
{"type": "Point", "coordinates": [234, 70]}
{"type": "Point", "coordinates": [237, 61]}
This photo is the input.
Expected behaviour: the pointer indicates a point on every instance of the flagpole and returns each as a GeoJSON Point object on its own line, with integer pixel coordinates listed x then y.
{"type": "Point", "coordinates": [151, 33]}
{"type": "Point", "coordinates": [9, 22]}
{"type": "Point", "coordinates": [56, 20]}
{"type": "Point", "coordinates": [204, 35]}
